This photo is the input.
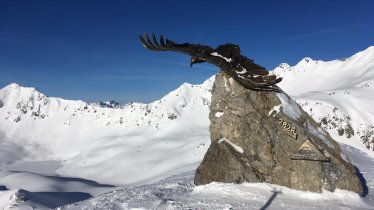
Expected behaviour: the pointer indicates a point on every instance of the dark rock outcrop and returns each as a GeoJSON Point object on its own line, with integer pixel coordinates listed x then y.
{"type": "Point", "coordinates": [260, 136]}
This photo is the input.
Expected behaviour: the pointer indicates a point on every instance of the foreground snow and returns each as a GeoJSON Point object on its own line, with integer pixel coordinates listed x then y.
{"type": "Point", "coordinates": [178, 192]}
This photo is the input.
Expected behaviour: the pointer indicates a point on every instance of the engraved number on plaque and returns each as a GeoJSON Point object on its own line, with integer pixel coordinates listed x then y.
{"type": "Point", "coordinates": [291, 131]}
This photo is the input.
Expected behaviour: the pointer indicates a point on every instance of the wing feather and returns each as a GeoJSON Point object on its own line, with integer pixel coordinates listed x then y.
{"type": "Point", "coordinates": [155, 41]}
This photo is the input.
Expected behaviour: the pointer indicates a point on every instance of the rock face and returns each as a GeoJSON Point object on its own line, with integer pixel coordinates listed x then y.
{"type": "Point", "coordinates": [259, 136]}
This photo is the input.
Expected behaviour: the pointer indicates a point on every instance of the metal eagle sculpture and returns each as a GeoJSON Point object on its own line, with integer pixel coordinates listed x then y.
{"type": "Point", "coordinates": [227, 57]}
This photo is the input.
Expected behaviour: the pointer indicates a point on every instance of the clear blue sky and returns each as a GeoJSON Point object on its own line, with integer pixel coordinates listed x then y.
{"type": "Point", "coordinates": [89, 50]}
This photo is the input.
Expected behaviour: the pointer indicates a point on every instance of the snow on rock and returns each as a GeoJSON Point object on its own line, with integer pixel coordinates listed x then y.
{"type": "Point", "coordinates": [236, 147]}
{"type": "Point", "coordinates": [218, 114]}
{"type": "Point", "coordinates": [227, 83]}
{"type": "Point", "coordinates": [290, 107]}
{"type": "Point", "coordinates": [275, 110]}
{"type": "Point", "coordinates": [317, 132]}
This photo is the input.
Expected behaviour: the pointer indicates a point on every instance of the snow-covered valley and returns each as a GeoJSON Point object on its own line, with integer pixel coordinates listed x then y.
{"type": "Point", "coordinates": [55, 152]}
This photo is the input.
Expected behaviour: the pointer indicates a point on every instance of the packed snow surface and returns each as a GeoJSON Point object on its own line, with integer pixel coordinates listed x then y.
{"type": "Point", "coordinates": [54, 152]}
{"type": "Point", "coordinates": [179, 192]}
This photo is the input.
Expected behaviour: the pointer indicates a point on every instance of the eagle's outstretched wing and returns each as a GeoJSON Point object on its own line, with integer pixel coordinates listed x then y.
{"type": "Point", "coordinates": [226, 57]}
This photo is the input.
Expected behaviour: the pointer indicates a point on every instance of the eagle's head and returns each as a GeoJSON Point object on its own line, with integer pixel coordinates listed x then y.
{"type": "Point", "coordinates": [196, 60]}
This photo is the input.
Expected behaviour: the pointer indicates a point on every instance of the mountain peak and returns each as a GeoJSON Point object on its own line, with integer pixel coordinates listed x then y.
{"type": "Point", "coordinates": [284, 66]}
{"type": "Point", "coordinates": [306, 61]}
{"type": "Point", "coordinates": [16, 87]}
{"type": "Point", "coordinates": [22, 97]}
{"type": "Point", "coordinates": [12, 86]}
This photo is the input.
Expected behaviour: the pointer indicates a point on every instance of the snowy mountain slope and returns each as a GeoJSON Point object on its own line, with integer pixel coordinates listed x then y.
{"type": "Point", "coordinates": [86, 139]}
{"type": "Point", "coordinates": [309, 75]}
{"type": "Point", "coordinates": [43, 138]}
{"type": "Point", "coordinates": [338, 93]}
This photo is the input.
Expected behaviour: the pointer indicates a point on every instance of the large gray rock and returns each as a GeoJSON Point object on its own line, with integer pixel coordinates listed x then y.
{"type": "Point", "coordinates": [259, 136]}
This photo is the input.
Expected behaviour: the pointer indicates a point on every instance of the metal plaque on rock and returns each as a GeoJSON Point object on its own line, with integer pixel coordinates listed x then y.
{"type": "Point", "coordinates": [287, 128]}
{"type": "Point", "coordinates": [308, 151]}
